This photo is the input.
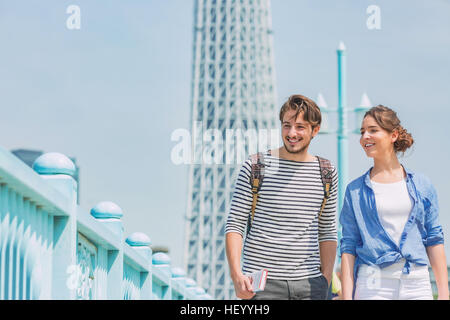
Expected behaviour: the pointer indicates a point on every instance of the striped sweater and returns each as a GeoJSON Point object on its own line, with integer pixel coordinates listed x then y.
{"type": "Point", "coordinates": [286, 231]}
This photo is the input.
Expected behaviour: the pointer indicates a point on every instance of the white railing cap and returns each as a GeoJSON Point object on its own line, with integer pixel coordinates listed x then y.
{"type": "Point", "coordinates": [160, 258]}
{"type": "Point", "coordinates": [178, 272]}
{"type": "Point", "coordinates": [107, 210]}
{"type": "Point", "coordinates": [200, 291]}
{"type": "Point", "coordinates": [54, 163]}
{"type": "Point", "coordinates": [190, 283]}
{"type": "Point", "coordinates": [138, 239]}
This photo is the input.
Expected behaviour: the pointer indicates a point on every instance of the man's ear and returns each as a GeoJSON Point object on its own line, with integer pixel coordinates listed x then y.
{"type": "Point", "coordinates": [315, 131]}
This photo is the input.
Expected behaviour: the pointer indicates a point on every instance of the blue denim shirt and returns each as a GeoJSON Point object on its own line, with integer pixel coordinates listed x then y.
{"type": "Point", "coordinates": [364, 236]}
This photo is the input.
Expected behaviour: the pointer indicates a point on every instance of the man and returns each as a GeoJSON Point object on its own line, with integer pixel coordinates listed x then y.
{"type": "Point", "coordinates": [287, 237]}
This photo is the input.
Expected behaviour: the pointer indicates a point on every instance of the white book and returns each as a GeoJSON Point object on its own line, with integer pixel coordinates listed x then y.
{"type": "Point", "coordinates": [258, 279]}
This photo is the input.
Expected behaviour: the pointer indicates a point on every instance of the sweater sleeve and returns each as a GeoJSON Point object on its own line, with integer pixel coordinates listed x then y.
{"type": "Point", "coordinates": [327, 221]}
{"type": "Point", "coordinates": [241, 202]}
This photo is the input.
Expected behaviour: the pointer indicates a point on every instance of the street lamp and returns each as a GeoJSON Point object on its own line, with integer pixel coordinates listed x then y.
{"type": "Point", "coordinates": [361, 110]}
{"type": "Point", "coordinates": [342, 114]}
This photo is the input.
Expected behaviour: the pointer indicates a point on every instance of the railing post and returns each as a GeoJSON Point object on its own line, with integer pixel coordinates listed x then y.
{"type": "Point", "coordinates": [161, 262]}
{"type": "Point", "coordinates": [58, 170]}
{"type": "Point", "coordinates": [178, 282]}
{"type": "Point", "coordinates": [201, 294]}
{"type": "Point", "coordinates": [190, 289]}
{"type": "Point", "coordinates": [110, 214]}
{"type": "Point", "coordinates": [141, 243]}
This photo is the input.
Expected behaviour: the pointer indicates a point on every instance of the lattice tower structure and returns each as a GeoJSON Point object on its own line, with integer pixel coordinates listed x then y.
{"type": "Point", "coordinates": [233, 93]}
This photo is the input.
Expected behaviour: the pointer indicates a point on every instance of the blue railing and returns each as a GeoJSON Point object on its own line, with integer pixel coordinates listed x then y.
{"type": "Point", "coordinates": [50, 248]}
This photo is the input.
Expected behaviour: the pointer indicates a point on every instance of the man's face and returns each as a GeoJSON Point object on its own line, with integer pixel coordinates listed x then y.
{"type": "Point", "coordinates": [296, 133]}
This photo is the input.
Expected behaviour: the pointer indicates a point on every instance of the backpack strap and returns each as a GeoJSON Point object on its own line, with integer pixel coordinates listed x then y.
{"type": "Point", "coordinates": [326, 173]}
{"type": "Point", "coordinates": [256, 178]}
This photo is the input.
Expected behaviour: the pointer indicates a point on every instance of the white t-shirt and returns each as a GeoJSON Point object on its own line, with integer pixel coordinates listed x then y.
{"type": "Point", "coordinates": [393, 205]}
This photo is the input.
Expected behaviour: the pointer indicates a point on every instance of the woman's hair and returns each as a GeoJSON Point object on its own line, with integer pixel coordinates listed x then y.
{"type": "Point", "coordinates": [388, 120]}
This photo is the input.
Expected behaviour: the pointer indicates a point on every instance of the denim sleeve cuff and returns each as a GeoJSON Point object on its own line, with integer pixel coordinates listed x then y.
{"type": "Point", "coordinates": [348, 249]}
{"type": "Point", "coordinates": [435, 236]}
{"type": "Point", "coordinates": [434, 241]}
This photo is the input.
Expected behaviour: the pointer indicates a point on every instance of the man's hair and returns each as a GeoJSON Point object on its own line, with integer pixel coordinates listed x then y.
{"type": "Point", "coordinates": [302, 104]}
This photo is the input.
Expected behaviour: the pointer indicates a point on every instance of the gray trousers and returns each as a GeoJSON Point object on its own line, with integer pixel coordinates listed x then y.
{"type": "Point", "coordinates": [306, 289]}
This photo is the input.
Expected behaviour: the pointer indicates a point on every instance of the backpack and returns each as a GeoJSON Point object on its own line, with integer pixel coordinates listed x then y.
{"type": "Point", "coordinates": [257, 176]}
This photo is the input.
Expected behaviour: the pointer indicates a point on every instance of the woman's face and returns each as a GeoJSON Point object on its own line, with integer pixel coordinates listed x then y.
{"type": "Point", "coordinates": [376, 141]}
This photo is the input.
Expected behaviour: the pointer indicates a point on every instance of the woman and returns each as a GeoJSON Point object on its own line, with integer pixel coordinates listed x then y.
{"type": "Point", "coordinates": [390, 226]}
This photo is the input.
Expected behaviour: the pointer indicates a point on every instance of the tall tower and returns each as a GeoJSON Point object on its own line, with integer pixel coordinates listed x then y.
{"type": "Point", "coordinates": [233, 97]}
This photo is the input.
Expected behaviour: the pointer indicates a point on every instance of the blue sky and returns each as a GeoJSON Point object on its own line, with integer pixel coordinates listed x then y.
{"type": "Point", "coordinates": [111, 93]}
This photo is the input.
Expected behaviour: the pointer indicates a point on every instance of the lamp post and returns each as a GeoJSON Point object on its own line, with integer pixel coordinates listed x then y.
{"type": "Point", "coordinates": [342, 131]}
{"type": "Point", "coordinates": [342, 134]}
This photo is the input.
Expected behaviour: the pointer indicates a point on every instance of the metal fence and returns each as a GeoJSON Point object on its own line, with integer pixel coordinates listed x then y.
{"type": "Point", "coordinates": [50, 248]}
